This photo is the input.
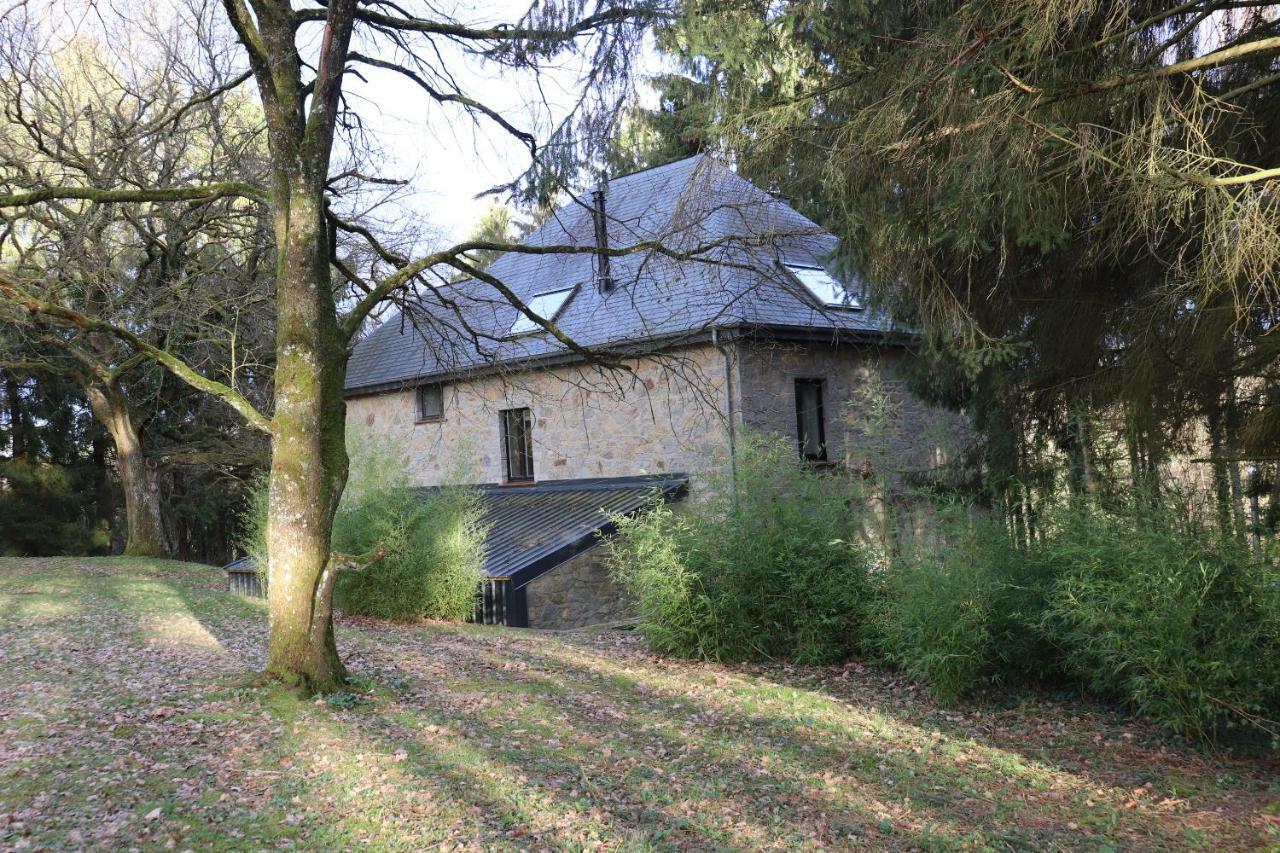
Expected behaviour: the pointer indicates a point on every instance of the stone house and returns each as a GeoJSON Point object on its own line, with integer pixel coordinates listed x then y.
{"type": "Point", "coordinates": [713, 313]}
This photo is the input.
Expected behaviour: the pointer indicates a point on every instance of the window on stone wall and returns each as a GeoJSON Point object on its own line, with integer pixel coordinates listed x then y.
{"type": "Point", "coordinates": [430, 402]}
{"type": "Point", "coordinates": [517, 444]}
{"type": "Point", "coordinates": [811, 428]}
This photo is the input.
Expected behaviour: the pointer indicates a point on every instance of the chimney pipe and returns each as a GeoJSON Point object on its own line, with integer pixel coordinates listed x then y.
{"type": "Point", "coordinates": [604, 281]}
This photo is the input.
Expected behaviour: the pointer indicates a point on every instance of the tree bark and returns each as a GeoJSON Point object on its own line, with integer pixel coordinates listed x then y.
{"type": "Point", "coordinates": [18, 421]}
{"type": "Point", "coordinates": [144, 522]}
{"type": "Point", "coordinates": [1217, 454]}
{"type": "Point", "coordinates": [309, 456]}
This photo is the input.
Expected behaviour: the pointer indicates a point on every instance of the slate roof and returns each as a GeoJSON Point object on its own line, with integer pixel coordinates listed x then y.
{"type": "Point", "coordinates": [733, 237]}
{"type": "Point", "coordinates": [533, 529]}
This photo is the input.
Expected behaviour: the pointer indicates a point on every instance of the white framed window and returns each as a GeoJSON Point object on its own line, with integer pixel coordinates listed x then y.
{"type": "Point", "coordinates": [429, 402]}
{"type": "Point", "coordinates": [823, 286]}
{"type": "Point", "coordinates": [545, 305]}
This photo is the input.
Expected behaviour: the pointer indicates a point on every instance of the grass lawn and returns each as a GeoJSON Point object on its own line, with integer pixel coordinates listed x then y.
{"type": "Point", "coordinates": [127, 719]}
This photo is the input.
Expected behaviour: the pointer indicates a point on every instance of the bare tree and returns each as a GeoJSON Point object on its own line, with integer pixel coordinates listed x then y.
{"type": "Point", "coordinates": [189, 278]}
{"type": "Point", "coordinates": [299, 56]}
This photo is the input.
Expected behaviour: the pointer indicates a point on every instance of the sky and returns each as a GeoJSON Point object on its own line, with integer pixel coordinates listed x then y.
{"type": "Point", "coordinates": [448, 159]}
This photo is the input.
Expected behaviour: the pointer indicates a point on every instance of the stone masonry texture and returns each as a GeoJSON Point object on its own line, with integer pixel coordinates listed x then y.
{"type": "Point", "coordinates": [665, 417]}
{"type": "Point", "coordinates": [671, 413]}
{"type": "Point", "coordinates": [577, 593]}
{"type": "Point", "coordinates": [856, 380]}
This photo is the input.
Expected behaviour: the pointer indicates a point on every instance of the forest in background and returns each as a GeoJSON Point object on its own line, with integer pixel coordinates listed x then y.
{"type": "Point", "coordinates": [1073, 202]}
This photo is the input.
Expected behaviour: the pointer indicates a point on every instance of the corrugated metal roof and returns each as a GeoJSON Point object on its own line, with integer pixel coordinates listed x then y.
{"type": "Point", "coordinates": [243, 564]}
{"type": "Point", "coordinates": [733, 238]}
{"type": "Point", "coordinates": [534, 528]}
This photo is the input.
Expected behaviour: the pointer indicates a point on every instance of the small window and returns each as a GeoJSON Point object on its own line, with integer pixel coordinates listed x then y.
{"type": "Point", "coordinates": [517, 444]}
{"type": "Point", "coordinates": [823, 287]}
{"type": "Point", "coordinates": [430, 402]}
{"type": "Point", "coordinates": [810, 426]}
{"type": "Point", "coordinates": [545, 305]}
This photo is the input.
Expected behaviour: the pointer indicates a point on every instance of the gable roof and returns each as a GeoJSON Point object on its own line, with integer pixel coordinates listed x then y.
{"type": "Point", "coordinates": [723, 242]}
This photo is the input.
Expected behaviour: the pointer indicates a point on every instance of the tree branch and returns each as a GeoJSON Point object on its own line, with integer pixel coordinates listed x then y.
{"type": "Point", "coordinates": [322, 599]}
{"type": "Point", "coordinates": [1209, 60]}
{"type": "Point", "coordinates": [453, 257]}
{"type": "Point", "coordinates": [498, 33]}
{"type": "Point", "coordinates": [19, 295]}
{"type": "Point", "coordinates": [227, 189]}
{"type": "Point", "coordinates": [470, 104]}
{"type": "Point", "coordinates": [212, 94]}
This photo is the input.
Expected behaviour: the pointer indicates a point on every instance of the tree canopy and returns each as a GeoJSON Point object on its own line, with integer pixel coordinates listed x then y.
{"type": "Point", "coordinates": [1074, 202]}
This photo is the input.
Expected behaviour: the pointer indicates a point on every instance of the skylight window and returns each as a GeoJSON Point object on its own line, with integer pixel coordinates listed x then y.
{"type": "Point", "coordinates": [824, 288]}
{"type": "Point", "coordinates": [545, 305]}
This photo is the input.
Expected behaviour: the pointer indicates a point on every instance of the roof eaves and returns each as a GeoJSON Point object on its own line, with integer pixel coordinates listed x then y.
{"type": "Point", "coordinates": [623, 349]}
{"type": "Point", "coordinates": [644, 346]}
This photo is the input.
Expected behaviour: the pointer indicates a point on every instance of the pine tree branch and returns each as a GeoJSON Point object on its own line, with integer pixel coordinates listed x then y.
{"type": "Point", "coordinates": [1209, 60]}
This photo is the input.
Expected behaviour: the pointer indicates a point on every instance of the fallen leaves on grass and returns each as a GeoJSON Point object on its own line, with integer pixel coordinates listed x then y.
{"type": "Point", "coordinates": [129, 717]}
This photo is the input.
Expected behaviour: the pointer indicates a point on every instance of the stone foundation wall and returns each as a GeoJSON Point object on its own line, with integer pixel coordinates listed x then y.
{"type": "Point", "coordinates": [577, 593]}
{"type": "Point", "coordinates": [666, 416]}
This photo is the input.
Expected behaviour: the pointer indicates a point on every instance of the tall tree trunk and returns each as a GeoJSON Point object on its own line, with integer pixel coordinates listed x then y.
{"type": "Point", "coordinates": [309, 456]}
{"type": "Point", "coordinates": [1231, 435]}
{"type": "Point", "coordinates": [143, 520]}
{"type": "Point", "coordinates": [104, 494]}
{"type": "Point", "coordinates": [1217, 454]}
{"type": "Point", "coordinates": [18, 423]}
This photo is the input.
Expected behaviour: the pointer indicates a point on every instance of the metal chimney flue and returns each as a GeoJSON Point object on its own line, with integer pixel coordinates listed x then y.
{"type": "Point", "coordinates": [604, 280]}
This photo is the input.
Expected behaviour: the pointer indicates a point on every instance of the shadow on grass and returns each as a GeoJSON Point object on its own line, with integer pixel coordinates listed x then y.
{"type": "Point", "coordinates": [728, 772]}
{"type": "Point", "coordinates": [505, 738]}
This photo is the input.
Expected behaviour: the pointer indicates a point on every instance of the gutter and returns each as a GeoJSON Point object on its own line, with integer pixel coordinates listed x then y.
{"type": "Point", "coordinates": [641, 347]}
{"type": "Point", "coordinates": [730, 409]}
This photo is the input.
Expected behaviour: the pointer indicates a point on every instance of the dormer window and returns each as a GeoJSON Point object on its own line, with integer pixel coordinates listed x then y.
{"type": "Point", "coordinates": [546, 305]}
{"type": "Point", "coordinates": [823, 287]}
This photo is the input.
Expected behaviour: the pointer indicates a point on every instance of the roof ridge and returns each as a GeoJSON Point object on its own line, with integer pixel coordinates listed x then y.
{"type": "Point", "coordinates": [701, 154]}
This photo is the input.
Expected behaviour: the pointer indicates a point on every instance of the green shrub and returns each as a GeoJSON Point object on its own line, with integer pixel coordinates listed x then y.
{"type": "Point", "coordinates": [1136, 604]}
{"type": "Point", "coordinates": [764, 569]}
{"type": "Point", "coordinates": [939, 604]}
{"type": "Point", "coordinates": [1165, 615]}
{"type": "Point", "coordinates": [434, 538]}
{"type": "Point", "coordinates": [435, 559]}
{"type": "Point", "coordinates": [962, 610]}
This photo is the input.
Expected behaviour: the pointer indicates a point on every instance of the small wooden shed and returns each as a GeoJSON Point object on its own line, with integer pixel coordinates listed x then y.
{"type": "Point", "coordinates": [242, 577]}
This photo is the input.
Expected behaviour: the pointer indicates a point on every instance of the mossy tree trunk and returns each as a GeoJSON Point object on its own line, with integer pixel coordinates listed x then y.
{"type": "Point", "coordinates": [144, 522]}
{"type": "Point", "coordinates": [309, 458]}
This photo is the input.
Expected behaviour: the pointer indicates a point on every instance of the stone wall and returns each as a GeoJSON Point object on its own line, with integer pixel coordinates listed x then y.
{"type": "Point", "coordinates": [856, 380]}
{"type": "Point", "coordinates": [666, 416]}
{"type": "Point", "coordinates": [577, 593]}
